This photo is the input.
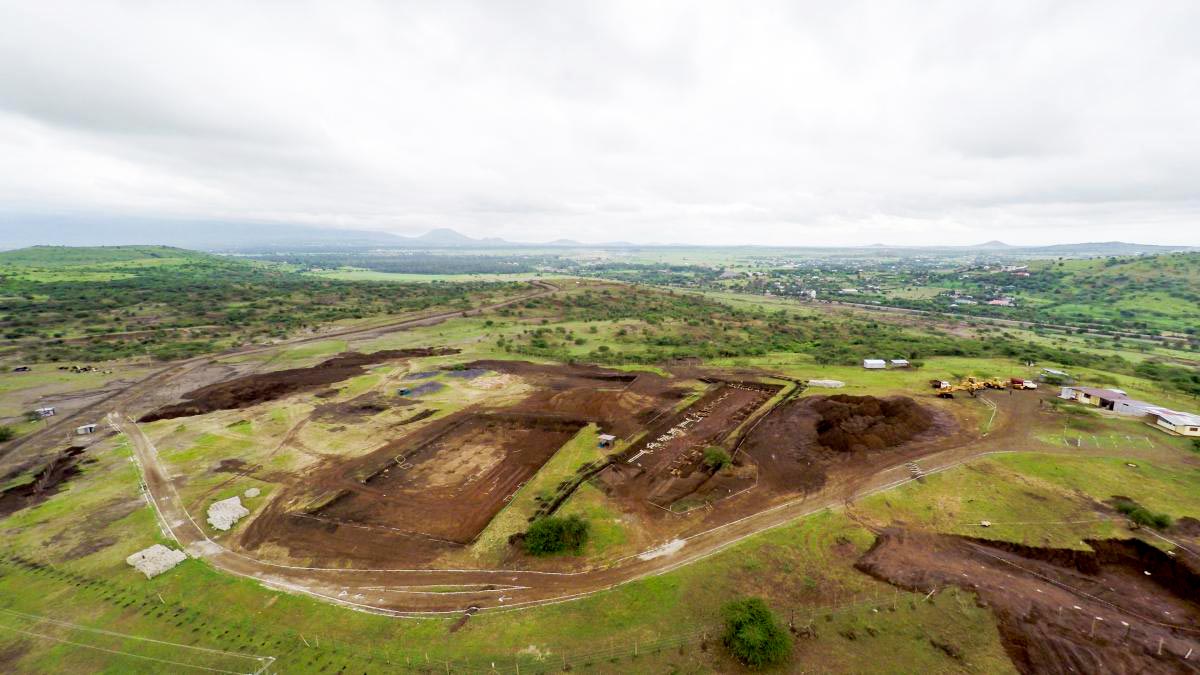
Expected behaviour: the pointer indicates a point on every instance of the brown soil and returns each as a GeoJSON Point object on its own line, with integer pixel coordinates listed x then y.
{"type": "Point", "coordinates": [366, 405]}
{"type": "Point", "coordinates": [424, 414]}
{"type": "Point", "coordinates": [1046, 600]}
{"type": "Point", "coordinates": [621, 403]}
{"type": "Point", "coordinates": [797, 442]}
{"type": "Point", "coordinates": [49, 480]}
{"type": "Point", "coordinates": [666, 465]}
{"type": "Point", "coordinates": [416, 496]}
{"type": "Point", "coordinates": [250, 390]}
{"type": "Point", "coordinates": [864, 423]}
{"type": "Point", "coordinates": [1186, 526]}
{"type": "Point", "coordinates": [440, 485]}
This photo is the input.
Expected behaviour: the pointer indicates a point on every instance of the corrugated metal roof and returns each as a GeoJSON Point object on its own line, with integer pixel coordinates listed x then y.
{"type": "Point", "coordinates": [1180, 419]}
{"type": "Point", "coordinates": [1101, 393]}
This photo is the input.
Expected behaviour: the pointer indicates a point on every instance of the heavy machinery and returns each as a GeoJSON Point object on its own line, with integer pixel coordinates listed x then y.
{"type": "Point", "coordinates": [970, 385]}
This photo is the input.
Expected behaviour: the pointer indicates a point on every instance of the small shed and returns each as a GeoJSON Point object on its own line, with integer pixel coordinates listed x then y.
{"type": "Point", "coordinates": [899, 363]}
{"type": "Point", "coordinates": [874, 364]}
{"type": "Point", "coordinates": [1184, 424]}
{"type": "Point", "coordinates": [45, 412]}
{"type": "Point", "coordinates": [85, 429]}
{"type": "Point", "coordinates": [606, 440]}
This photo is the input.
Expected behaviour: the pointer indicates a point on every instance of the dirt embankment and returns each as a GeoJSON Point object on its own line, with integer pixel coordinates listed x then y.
{"type": "Point", "coordinates": [250, 390]}
{"type": "Point", "coordinates": [1122, 607]}
{"type": "Point", "coordinates": [795, 444]}
{"type": "Point", "coordinates": [62, 467]}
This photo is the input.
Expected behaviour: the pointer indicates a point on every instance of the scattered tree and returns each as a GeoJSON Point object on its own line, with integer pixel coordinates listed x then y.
{"type": "Point", "coordinates": [753, 635]}
{"type": "Point", "coordinates": [715, 458]}
{"type": "Point", "coordinates": [7, 433]}
{"type": "Point", "coordinates": [551, 535]}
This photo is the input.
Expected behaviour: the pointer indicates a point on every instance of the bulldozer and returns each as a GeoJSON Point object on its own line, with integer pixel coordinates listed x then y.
{"type": "Point", "coordinates": [968, 384]}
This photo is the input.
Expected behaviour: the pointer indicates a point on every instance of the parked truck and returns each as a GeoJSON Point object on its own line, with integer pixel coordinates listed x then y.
{"type": "Point", "coordinates": [1022, 383]}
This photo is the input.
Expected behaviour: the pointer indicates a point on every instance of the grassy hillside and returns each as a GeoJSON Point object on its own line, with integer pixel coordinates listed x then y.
{"type": "Point", "coordinates": [1155, 293]}
{"type": "Point", "coordinates": [60, 303]}
{"type": "Point", "coordinates": [54, 257]}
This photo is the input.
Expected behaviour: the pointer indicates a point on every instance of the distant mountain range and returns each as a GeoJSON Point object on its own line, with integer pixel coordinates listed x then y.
{"type": "Point", "coordinates": [19, 231]}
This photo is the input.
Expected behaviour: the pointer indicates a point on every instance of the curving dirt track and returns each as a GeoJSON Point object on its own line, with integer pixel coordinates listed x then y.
{"type": "Point", "coordinates": [397, 592]}
{"type": "Point", "coordinates": [134, 394]}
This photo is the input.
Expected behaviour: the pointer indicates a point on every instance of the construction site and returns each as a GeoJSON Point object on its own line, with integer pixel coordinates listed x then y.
{"type": "Point", "coordinates": [401, 482]}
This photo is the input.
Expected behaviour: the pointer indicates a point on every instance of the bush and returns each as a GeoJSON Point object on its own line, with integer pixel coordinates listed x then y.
{"type": "Point", "coordinates": [1142, 515]}
{"type": "Point", "coordinates": [7, 433]}
{"type": "Point", "coordinates": [752, 635]}
{"type": "Point", "coordinates": [1196, 444]}
{"type": "Point", "coordinates": [551, 535]}
{"type": "Point", "coordinates": [716, 458]}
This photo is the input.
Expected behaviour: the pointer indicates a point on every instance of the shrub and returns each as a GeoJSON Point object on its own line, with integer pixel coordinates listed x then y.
{"type": "Point", "coordinates": [1196, 444]}
{"type": "Point", "coordinates": [7, 433]}
{"type": "Point", "coordinates": [752, 635]}
{"type": "Point", "coordinates": [551, 535]}
{"type": "Point", "coordinates": [716, 458]}
{"type": "Point", "coordinates": [1142, 515]}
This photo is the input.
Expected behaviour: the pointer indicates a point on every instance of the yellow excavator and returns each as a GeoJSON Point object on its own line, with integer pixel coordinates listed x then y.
{"type": "Point", "coordinates": [970, 385]}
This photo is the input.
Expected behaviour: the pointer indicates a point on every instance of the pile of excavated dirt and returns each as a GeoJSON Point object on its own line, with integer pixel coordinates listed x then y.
{"type": "Point", "coordinates": [250, 390]}
{"type": "Point", "coordinates": [1122, 607]}
{"type": "Point", "coordinates": [795, 444]}
{"type": "Point", "coordinates": [863, 423]}
{"type": "Point", "coordinates": [46, 483]}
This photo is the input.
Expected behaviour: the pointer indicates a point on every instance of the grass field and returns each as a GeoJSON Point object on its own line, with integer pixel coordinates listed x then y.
{"type": "Point", "coordinates": [65, 558]}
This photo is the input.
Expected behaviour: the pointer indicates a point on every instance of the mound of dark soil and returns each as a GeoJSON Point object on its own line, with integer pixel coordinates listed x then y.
{"type": "Point", "coordinates": [250, 390]}
{"type": "Point", "coordinates": [46, 483]}
{"type": "Point", "coordinates": [863, 423]}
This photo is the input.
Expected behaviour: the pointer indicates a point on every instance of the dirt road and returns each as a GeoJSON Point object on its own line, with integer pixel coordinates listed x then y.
{"type": "Point", "coordinates": [399, 592]}
{"type": "Point", "coordinates": [44, 438]}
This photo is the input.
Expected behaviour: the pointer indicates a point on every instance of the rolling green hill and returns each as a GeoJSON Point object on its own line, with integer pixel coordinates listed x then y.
{"type": "Point", "coordinates": [66, 303]}
{"type": "Point", "coordinates": [1159, 293]}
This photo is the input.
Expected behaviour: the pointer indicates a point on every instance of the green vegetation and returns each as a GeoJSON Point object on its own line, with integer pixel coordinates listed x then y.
{"type": "Point", "coordinates": [61, 304]}
{"type": "Point", "coordinates": [715, 458]}
{"type": "Point", "coordinates": [1142, 515]}
{"type": "Point", "coordinates": [420, 262]}
{"type": "Point", "coordinates": [73, 569]}
{"type": "Point", "coordinates": [7, 433]}
{"type": "Point", "coordinates": [553, 534]}
{"type": "Point", "coordinates": [752, 634]}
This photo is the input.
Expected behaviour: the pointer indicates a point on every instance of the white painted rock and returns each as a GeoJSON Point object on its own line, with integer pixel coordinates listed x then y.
{"type": "Point", "coordinates": [224, 514]}
{"type": "Point", "coordinates": [155, 560]}
{"type": "Point", "coordinates": [252, 493]}
{"type": "Point", "coordinates": [827, 384]}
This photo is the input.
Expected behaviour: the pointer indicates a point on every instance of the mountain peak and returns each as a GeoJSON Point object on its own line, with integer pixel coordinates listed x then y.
{"type": "Point", "coordinates": [444, 235]}
{"type": "Point", "coordinates": [995, 243]}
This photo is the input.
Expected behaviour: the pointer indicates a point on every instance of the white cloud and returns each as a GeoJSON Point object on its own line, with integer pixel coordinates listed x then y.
{"type": "Point", "coordinates": [777, 123]}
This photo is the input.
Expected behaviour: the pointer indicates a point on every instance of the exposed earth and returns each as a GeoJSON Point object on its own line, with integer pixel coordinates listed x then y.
{"type": "Point", "coordinates": [1060, 610]}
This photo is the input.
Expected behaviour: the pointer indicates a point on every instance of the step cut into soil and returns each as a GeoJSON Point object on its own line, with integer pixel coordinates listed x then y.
{"type": "Point", "coordinates": [1046, 601]}
{"type": "Point", "coordinates": [250, 390]}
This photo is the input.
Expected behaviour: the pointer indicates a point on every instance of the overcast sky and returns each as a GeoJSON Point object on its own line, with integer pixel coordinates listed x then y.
{"type": "Point", "coordinates": [741, 122]}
